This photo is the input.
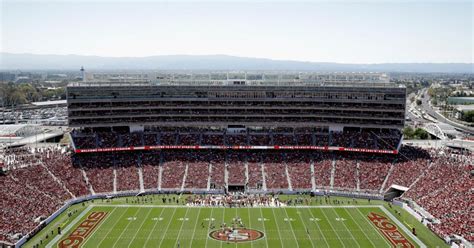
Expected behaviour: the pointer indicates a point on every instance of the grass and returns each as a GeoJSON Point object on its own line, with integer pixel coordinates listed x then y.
{"type": "Point", "coordinates": [154, 224]}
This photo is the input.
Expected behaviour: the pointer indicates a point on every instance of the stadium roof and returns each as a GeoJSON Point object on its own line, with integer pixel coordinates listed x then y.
{"type": "Point", "coordinates": [237, 82]}
{"type": "Point", "coordinates": [343, 79]}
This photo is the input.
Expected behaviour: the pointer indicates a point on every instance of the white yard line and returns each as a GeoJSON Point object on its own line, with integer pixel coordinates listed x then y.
{"type": "Point", "coordinates": [291, 227]}
{"type": "Point", "coordinates": [373, 245]}
{"type": "Point", "coordinates": [358, 245]}
{"type": "Point", "coordinates": [223, 221]}
{"type": "Point", "coordinates": [118, 219]}
{"type": "Point", "coordinates": [121, 233]}
{"type": "Point", "coordinates": [138, 229]}
{"type": "Point", "coordinates": [194, 230]}
{"type": "Point", "coordinates": [319, 229]}
{"type": "Point", "coordinates": [68, 227]}
{"type": "Point", "coordinates": [264, 229]}
{"type": "Point", "coordinates": [403, 227]}
{"type": "Point", "coordinates": [380, 235]}
{"type": "Point", "coordinates": [250, 221]}
{"type": "Point", "coordinates": [153, 229]}
{"type": "Point", "coordinates": [180, 228]}
{"type": "Point", "coordinates": [278, 228]}
{"type": "Point", "coordinates": [164, 232]}
{"type": "Point", "coordinates": [334, 230]}
{"type": "Point", "coordinates": [236, 214]}
{"type": "Point", "coordinates": [305, 227]}
{"type": "Point", "coordinates": [209, 226]}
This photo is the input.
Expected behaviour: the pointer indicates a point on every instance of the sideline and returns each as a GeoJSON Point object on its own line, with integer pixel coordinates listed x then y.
{"type": "Point", "coordinates": [184, 206]}
{"type": "Point", "coordinates": [403, 227]}
{"type": "Point", "coordinates": [66, 230]}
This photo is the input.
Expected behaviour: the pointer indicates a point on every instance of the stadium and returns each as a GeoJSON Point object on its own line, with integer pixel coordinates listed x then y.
{"type": "Point", "coordinates": [237, 160]}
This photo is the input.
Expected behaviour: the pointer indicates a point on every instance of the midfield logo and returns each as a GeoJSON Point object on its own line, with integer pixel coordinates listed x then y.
{"type": "Point", "coordinates": [236, 234]}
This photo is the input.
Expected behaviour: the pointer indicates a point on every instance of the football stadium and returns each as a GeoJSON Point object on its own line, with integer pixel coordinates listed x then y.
{"type": "Point", "coordinates": [225, 160]}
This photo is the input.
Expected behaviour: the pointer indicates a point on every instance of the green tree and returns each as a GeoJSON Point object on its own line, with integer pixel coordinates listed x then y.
{"type": "Point", "coordinates": [408, 132]}
{"type": "Point", "coordinates": [468, 116]}
{"type": "Point", "coordinates": [421, 134]}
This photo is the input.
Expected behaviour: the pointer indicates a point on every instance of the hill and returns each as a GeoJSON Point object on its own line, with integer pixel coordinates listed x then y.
{"type": "Point", "coordinates": [11, 61]}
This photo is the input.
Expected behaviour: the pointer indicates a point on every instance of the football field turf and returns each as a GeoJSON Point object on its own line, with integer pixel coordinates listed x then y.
{"type": "Point", "coordinates": [128, 225]}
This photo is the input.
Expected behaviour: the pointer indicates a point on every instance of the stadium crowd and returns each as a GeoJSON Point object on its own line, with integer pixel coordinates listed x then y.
{"type": "Point", "coordinates": [41, 180]}
{"type": "Point", "coordinates": [367, 139]}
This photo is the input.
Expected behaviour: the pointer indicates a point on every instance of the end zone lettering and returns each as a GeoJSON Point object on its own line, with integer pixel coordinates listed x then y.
{"type": "Point", "coordinates": [389, 230]}
{"type": "Point", "coordinates": [81, 232]}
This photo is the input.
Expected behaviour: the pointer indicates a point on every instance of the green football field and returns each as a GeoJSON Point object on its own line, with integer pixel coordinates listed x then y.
{"type": "Point", "coordinates": [133, 225]}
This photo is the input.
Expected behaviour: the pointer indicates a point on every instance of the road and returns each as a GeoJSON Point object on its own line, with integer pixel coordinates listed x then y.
{"type": "Point", "coordinates": [426, 106]}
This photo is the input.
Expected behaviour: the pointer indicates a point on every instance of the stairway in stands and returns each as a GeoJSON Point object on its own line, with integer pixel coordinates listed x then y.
{"type": "Point", "coordinates": [313, 179]}
{"type": "Point", "coordinates": [183, 184]}
{"type": "Point", "coordinates": [357, 177]}
{"type": "Point", "coordinates": [333, 172]}
{"type": "Point", "coordinates": [115, 181]}
{"type": "Point", "coordinates": [386, 178]}
{"type": "Point", "coordinates": [209, 175]}
{"type": "Point", "coordinates": [287, 173]}
{"type": "Point", "coordinates": [86, 179]}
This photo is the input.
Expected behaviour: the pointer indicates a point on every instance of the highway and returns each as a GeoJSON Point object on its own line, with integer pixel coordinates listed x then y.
{"type": "Point", "coordinates": [426, 106]}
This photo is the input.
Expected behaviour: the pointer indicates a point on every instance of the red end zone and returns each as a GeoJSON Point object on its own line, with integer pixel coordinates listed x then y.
{"type": "Point", "coordinates": [81, 232]}
{"type": "Point", "coordinates": [389, 230]}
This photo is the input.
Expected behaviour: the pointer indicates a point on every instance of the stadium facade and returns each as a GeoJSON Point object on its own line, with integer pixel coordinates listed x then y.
{"type": "Point", "coordinates": [314, 104]}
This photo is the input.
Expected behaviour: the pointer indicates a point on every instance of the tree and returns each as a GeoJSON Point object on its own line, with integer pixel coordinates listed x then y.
{"type": "Point", "coordinates": [418, 102]}
{"type": "Point", "coordinates": [421, 134]}
{"type": "Point", "coordinates": [408, 132]}
{"type": "Point", "coordinates": [468, 116]}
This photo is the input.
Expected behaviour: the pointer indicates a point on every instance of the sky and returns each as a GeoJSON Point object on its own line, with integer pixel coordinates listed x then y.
{"type": "Point", "coordinates": [318, 31]}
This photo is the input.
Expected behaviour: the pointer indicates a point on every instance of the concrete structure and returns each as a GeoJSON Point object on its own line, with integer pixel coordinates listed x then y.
{"type": "Point", "coordinates": [331, 101]}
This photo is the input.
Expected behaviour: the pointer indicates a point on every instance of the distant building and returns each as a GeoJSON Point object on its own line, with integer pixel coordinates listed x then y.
{"type": "Point", "coordinates": [460, 100]}
{"type": "Point", "coordinates": [460, 110]}
{"type": "Point", "coordinates": [7, 77]}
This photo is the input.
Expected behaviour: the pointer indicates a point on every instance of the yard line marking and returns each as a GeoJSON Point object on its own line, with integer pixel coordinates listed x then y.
{"type": "Point", "coordinates": [209, 227]}
{"type": "Point", "coordinates": [378, 233]}
{"type": "Point", "coordinates": [117, 220]}
{"type": "Point", "coordinates": [153, 229]}
{"type": "Point", "coordinates": [305, 227]}
{"type": "Point", "coordinates": [164, 233]}
{"type": "Point", "coordinates": [223, 221]}
{"type": "Point", "coordinates": [317, 225]}
{"type": "Point", "coordinates": [141, 225]}
{"type": "Point", "coordinates": [121, 233]}
{"type": "Point", "coordinates": [264, 229]}
{"type": "Point", "coordinates": [248, 211]}
{"type": "Point", "coordinates": [334, 230]}
{"type": "Point", "coordinates": [194, 231]}
{"type": "Point", "coordinates": [182, 223]}
{"type": "Point", "coordinates": [358, 245]}
{"type": "Point", "coordinates": [278, 228]}
{"type": "Point", "coordinates": [373, 245]}
{"type": "Point", "coordinates": [236, 214]}
{"type": "Point", "coordinates": [291, 227]}
{"type": "Point", "coordinates": [68, 227]}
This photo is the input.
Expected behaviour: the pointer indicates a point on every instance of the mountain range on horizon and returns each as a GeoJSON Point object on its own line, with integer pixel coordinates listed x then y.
{"type": "Point", "coordinates": [13, 61]}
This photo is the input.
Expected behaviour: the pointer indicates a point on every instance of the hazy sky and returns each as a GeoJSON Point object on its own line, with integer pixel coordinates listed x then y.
{"type": "Point", "coordinates": [319, 31]}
